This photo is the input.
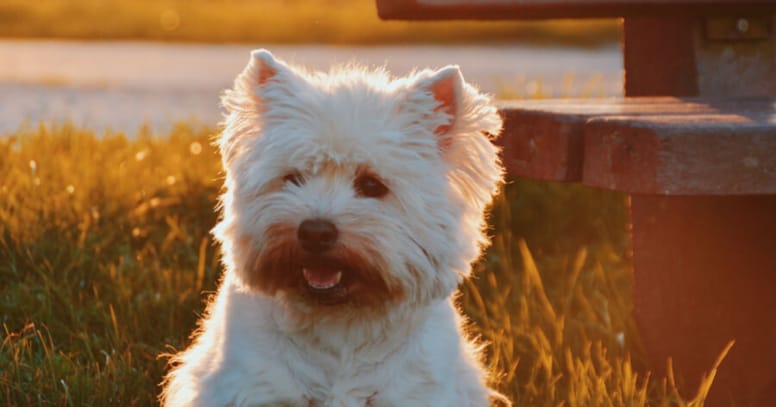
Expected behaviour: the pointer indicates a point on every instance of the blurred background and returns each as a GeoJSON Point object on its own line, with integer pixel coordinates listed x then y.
{"type": "Point", "coordinates": [117, 64]}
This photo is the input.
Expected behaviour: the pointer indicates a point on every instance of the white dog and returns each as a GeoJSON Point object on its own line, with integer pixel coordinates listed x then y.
{"type": "Point", "coordinates": [352, 210]}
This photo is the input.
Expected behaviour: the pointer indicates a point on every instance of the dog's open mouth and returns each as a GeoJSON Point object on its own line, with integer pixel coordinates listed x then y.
{"type": "Point", "coordinates": [325, 282]}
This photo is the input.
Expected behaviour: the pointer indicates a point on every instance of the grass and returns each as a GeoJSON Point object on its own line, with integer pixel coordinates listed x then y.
{"type": "Point", "coordinates": [105, 260]}
{"type": "Point", "coordinates": [271, 21]}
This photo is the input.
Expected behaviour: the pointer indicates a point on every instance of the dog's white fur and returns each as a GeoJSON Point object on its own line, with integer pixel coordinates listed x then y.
{"type": "Point", "coordinates": [398, 342]}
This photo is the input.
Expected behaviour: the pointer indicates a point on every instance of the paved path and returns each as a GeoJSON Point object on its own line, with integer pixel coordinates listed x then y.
{"type": "Point", "coordinates": [121, 85]}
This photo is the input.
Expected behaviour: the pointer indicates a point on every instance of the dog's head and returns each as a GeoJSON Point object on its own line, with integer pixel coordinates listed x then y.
{"type": "Point", "coordinates": [352, 188]}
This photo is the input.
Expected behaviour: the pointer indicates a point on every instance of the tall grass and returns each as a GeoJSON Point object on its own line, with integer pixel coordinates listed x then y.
{"type": "Point", "coordinates": [105, 260]}
{"type": "Point", "coordinates": [270, 21]}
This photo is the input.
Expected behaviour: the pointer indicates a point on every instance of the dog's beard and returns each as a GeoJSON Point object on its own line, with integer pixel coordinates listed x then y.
{"type": "Point", "coordinates": [342, 276]}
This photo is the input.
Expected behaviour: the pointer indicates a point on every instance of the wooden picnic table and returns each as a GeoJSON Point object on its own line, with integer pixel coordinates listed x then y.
{"type": "Point", "coordinates": [541, 9]}
{"type": "Point", "coordinates": [693, 143]}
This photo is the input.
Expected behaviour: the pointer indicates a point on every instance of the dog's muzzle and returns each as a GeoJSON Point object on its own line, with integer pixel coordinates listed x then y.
{"type": "Point", "coordinates": [324, 277]}
{"type": "Point", "coordinates": [317, 235]}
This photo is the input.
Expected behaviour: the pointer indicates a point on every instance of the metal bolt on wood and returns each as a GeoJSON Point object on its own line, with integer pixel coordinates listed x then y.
{"type": "Point", "coordinates": [742, 25]}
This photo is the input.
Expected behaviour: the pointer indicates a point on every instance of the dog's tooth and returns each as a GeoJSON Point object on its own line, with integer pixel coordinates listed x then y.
{"type": "Point", "coordinates": [336, 281]}
{"type": "Point", "coordinates": [310, 277]}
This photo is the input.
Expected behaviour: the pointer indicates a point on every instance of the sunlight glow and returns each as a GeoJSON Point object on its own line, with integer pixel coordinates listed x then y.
{"type": "Point", "coordinates": [195, 148]}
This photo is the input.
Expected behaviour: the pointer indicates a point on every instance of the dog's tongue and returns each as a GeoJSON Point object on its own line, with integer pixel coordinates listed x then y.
{"type": "Point", "coordinates": [321, 277]}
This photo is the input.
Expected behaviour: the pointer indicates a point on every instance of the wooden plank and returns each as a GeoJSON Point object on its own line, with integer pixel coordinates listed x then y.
{"type": "Point", "coordinates": [537, 9]}
{"type": "Point", "coordinates": [542, 146]}
{"type": "Point", "coordinates": [543, 139]}
{"type": "Point", "coordinates": [660, 145]}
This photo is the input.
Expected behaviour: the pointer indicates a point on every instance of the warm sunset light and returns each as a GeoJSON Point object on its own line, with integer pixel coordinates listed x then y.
{"type": "Point", "coordinates": [386, 202]}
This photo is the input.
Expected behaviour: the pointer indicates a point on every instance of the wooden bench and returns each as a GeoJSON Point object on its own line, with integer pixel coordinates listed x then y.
{"type": "Point", "coordinates": [694, 144]}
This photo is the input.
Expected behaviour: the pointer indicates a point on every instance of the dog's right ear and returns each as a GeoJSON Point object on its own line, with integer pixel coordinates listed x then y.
{"type": "Point", "coordinates": [262, 68]}
{"type": "Point", "coordinates": [265, 64]}
{"type": "Point", "coordinates": [264, 79]}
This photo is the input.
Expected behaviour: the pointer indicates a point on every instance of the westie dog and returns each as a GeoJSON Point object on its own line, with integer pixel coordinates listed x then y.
{"type": "Point", "coordinates": [353, 206]}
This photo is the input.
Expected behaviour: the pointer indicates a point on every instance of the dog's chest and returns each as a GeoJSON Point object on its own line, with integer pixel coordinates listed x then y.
{"type": "Point", "coordinates": [355, 385]}
{"type": "Point", "coordinates": [346, 391]}
{"type": "Point", "coordinates": [346, 402]}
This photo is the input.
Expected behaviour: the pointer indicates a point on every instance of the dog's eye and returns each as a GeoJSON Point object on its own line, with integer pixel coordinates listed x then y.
{"type": "Point", "coordinates": [294, 178]}
{"type": "Point", "coordinates": [369, 186]}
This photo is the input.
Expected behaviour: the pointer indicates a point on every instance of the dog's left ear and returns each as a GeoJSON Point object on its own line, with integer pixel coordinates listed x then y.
{"type": "Point", "coordinates": [446, 88]}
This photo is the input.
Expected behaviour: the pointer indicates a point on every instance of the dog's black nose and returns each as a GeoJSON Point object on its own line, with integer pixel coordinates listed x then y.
{"type": "Point", "coordinates": [317, 235]}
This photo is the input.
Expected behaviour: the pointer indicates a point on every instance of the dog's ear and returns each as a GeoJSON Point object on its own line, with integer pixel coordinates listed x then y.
{"type": "Point", "coordinates": [264, 80]}
{"type": "Point", "coordinates": [265, 65]}
{"type": "Point", "coordinates": [262, 68]}
{"type": "Point", "coordinates": [464, 122]}
{"type": "Point", "coordinates": [446, 88]}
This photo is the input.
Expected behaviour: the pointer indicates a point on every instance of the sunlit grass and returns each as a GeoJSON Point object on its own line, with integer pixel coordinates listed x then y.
{"type": "Point", "coordinates": [270, 21]}
{"type": "Point", "coordinates": [105, 260]}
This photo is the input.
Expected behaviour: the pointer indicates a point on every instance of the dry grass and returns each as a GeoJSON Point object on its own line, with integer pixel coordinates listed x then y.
{"type": "Point", "coordinates": [270, 21]}
{"type": "Point", "coordinates": [105, 259]}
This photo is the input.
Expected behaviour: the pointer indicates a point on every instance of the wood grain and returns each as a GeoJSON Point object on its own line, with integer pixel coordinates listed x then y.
{"type": "Point", "coordinates": [661, 145]}
{"type": "Point", "coordinates": [536, 9]}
